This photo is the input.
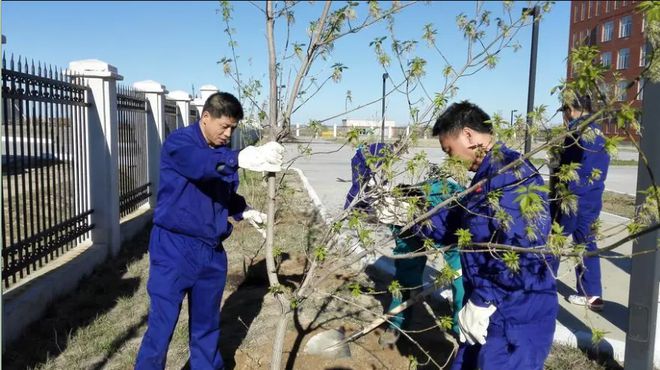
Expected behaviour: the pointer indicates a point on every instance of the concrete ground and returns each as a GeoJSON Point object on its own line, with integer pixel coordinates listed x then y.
{"type": "Point", "coordinates": [325, 173]}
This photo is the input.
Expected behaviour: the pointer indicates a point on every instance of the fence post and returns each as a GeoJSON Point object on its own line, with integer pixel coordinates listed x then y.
{"type": "Point", "coordinates": [297, 129]}
{"type": "Point", "coordinates": [102, 147]}
{"type": "Point", "coordinates": [334, 130]}
{"type": "Point", "coordinates": [182, 100]}
{"type": "Point", "coordinates": [154, 92]}
{"type": "Point", "coordinates": [204, 92]}
{"type": "Point", "coordinates": [408, 130]}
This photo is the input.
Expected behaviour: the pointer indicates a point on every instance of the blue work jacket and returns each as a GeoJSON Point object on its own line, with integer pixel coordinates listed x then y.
{"type": "Point", "coordinates": [520, 296]}
{"type": "Point", "coordinates": [361, 171]}
{"type": "Point", "coordinates": [197, 190]}
{"type": "Point", "coordinates": [590, 154]}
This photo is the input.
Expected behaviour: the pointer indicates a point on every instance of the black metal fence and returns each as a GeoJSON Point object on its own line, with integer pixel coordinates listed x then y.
{"type": "Point", "coordinates": [171, 117]}
{"type": "Point", "coordinates": [193, 115]}
{"type": "Point", "coordinates": [44, 166]}
{"type": "Point", "coordinates": [134, 185]}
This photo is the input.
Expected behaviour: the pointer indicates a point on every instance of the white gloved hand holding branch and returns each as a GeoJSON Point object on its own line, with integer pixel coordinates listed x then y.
{"type": "Point", "coordinates": [256, 219]}
{"type": "Point", "coordinates": [473, 322]}
{"type": "Point", "coordinates": [267, 157]}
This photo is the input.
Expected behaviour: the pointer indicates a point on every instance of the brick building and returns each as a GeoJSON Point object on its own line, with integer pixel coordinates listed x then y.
{"type": "Point", "coordinates": [618, 31]}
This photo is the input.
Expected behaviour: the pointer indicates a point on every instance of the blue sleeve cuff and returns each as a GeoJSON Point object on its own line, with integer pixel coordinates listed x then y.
{"type": "Point", "coordinates": [226, 161]}
{"type": "Point", "coordinates": [480, 301]}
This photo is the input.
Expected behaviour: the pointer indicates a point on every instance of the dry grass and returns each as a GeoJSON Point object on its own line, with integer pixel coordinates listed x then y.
{"type": "Point", "coordinates": [563, 357]}
{"type": "Point", "coordinates": [619, 204]}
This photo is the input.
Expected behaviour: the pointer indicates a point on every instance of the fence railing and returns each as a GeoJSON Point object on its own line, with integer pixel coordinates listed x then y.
{"type": "Point", "coordinates": [171, 117]}
{"type": "Point", "coordinates": [44, 166]}
{"type": "Point", "coordinates": [193, 115]}
{"type": "Point", "coordinates": [134, 185]}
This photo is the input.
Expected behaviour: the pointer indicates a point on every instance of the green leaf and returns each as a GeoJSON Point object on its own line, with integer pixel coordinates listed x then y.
{"type": "Point", "coordinates": [464, 237]}
{"type": "Point", "coordinates": [445, 322]}
{"type": "Point", "coordinates": [356, 290]}
{"type": "Point", "coordinates": [320, 253]}
{"type": "Point", "coordinates": [512, 260]}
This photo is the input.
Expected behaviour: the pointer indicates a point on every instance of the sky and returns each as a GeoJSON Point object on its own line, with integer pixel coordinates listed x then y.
{"type": "Point", "coordinates": [179, 44]}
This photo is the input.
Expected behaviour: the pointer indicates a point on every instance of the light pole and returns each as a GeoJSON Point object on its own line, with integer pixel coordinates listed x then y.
{"type": "Point", "coordinates": [534, 12]}
{"type": "Point", "coordinates": [382, 126]}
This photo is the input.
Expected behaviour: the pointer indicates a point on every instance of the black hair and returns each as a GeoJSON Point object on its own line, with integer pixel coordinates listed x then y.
{"type": "Point", "coordinates": [460, 115]}
{"type": "Point", "coordinates": [223, 104]}
{"type": "Point", "coordinates": [579, 102]}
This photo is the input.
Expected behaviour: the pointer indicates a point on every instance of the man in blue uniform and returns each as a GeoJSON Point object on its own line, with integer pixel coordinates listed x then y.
{"type": "Point", "coordinates": [408, 272]}
{"type": "Point", "coordinates": [197, 193]}
{"type": "Point", "coordinates": [508, 319]}
{"type": "Point", "coordinates": [585, 149]}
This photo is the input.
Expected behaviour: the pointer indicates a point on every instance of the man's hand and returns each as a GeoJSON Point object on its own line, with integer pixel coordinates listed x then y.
{"type": "Point", "coordinates": [391, 211]}
{"type": "Point", "coordinates": [256, 219]}
{"type": "Point", "coordinates": [473, 323]}
{"type": "Point", "coordinates": [267, 157]}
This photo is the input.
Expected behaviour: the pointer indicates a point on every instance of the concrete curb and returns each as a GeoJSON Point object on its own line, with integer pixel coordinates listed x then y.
{"type": "Point", "coordinates": [563, 335]}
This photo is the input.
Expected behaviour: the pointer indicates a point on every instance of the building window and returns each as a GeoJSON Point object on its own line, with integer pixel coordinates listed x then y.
{"type": "Point", "coordinates": [616, 4]}
{"type": "Point", "coordinates": [640, 89]}
{"type": "Point", "coordinates": [643, 52]}
{"type": "Point", "coordinates": [582, 11]}
{"type": "Point", "coordinates": [575, 13]}
{"type": "Point", "coordinates": [596, 8]}
{"type": "Point", "coordinates": [623, 3]}
{"type": "Point", "coordinates": [625, 26]}
{"type": "Point", "coordinates": [608, 31]}
{"type": "Point", "coordinates": [589, 10]}
{"type": "Point", "coordinates": [606, 59]}
{"type": "Point", "coordinates": [623, 61]}
{"type": "Point", "coordinates": [621, 91]}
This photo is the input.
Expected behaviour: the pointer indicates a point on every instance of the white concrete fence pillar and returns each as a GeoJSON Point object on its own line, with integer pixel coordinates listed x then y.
{"type": "Point", "coordinates": [334, 130]}
{"type": "Point", "coordinates": [102, 149]}
{"type": "Point", "coordinates": [155, 94]}
{"type": "Point", "coordinates": [389, 132]}
{"type": "Point", "coordinates": [297, 129]}
{"type": "Point", "coordinates": [182, 100]}
{"type": "Point", "coordinates": [204, 92]}
{"type": "Point", "coordinates": [407, 130]}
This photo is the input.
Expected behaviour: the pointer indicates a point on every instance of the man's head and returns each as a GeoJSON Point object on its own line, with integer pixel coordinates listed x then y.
{"type": "Point", "coordinates": [465, 132]}
{"type": "Point", "coordinates": [576, 106]}
{"type": "Point", "coordinates": [220, 115]}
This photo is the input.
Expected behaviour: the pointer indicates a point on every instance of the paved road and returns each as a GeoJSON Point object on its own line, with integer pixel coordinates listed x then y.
{"type": "Point", "coordinates": [324, 170]}
{"type": "Point", "coordinates": [621, 179]}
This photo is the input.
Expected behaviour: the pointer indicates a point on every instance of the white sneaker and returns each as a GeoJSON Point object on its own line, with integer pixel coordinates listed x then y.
{"type": "Point", "coordinates": [594, 303]}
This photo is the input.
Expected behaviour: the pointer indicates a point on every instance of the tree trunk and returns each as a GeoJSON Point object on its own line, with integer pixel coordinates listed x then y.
{"type": "Point", "coordinates": [278, 342]}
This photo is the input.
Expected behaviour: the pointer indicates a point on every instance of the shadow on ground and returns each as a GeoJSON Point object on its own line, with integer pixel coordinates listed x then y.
{"type": "Point", "coordinates": [421, 328]}
{"type": "Point", "coordinates": [96, 295]}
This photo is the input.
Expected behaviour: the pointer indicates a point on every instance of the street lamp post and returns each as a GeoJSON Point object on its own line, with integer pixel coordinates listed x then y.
{"type": "Point", "coordinates": [511, 121]}
{"type": "Point", "coordinates": [382, 126]}
{"type": "Point", "coordinates": [534, 12]}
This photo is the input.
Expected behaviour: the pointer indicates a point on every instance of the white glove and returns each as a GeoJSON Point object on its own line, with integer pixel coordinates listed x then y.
{"type": "Point", "coordinates": [256, 219]}
{"type": "Point", "coordinates": [391, 211]}
{"type": "Point", "coordinates": [473, 322]}
{"type": "Point", "coordinates": [267, 157]}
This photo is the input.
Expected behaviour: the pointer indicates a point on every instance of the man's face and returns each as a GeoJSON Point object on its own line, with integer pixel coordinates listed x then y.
{"type": "Point", "coordinates": [217, 131]}
{"type": "Point", "coordinates": [461, 146]}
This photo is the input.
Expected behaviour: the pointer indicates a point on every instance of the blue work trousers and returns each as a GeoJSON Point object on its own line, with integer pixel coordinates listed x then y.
{"type": "Point", "coordinates": [519, 347]}
{"type": "Point", "coordinates": [181, 265]}
{"type": "Point", "coordinates": [580, 226]}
